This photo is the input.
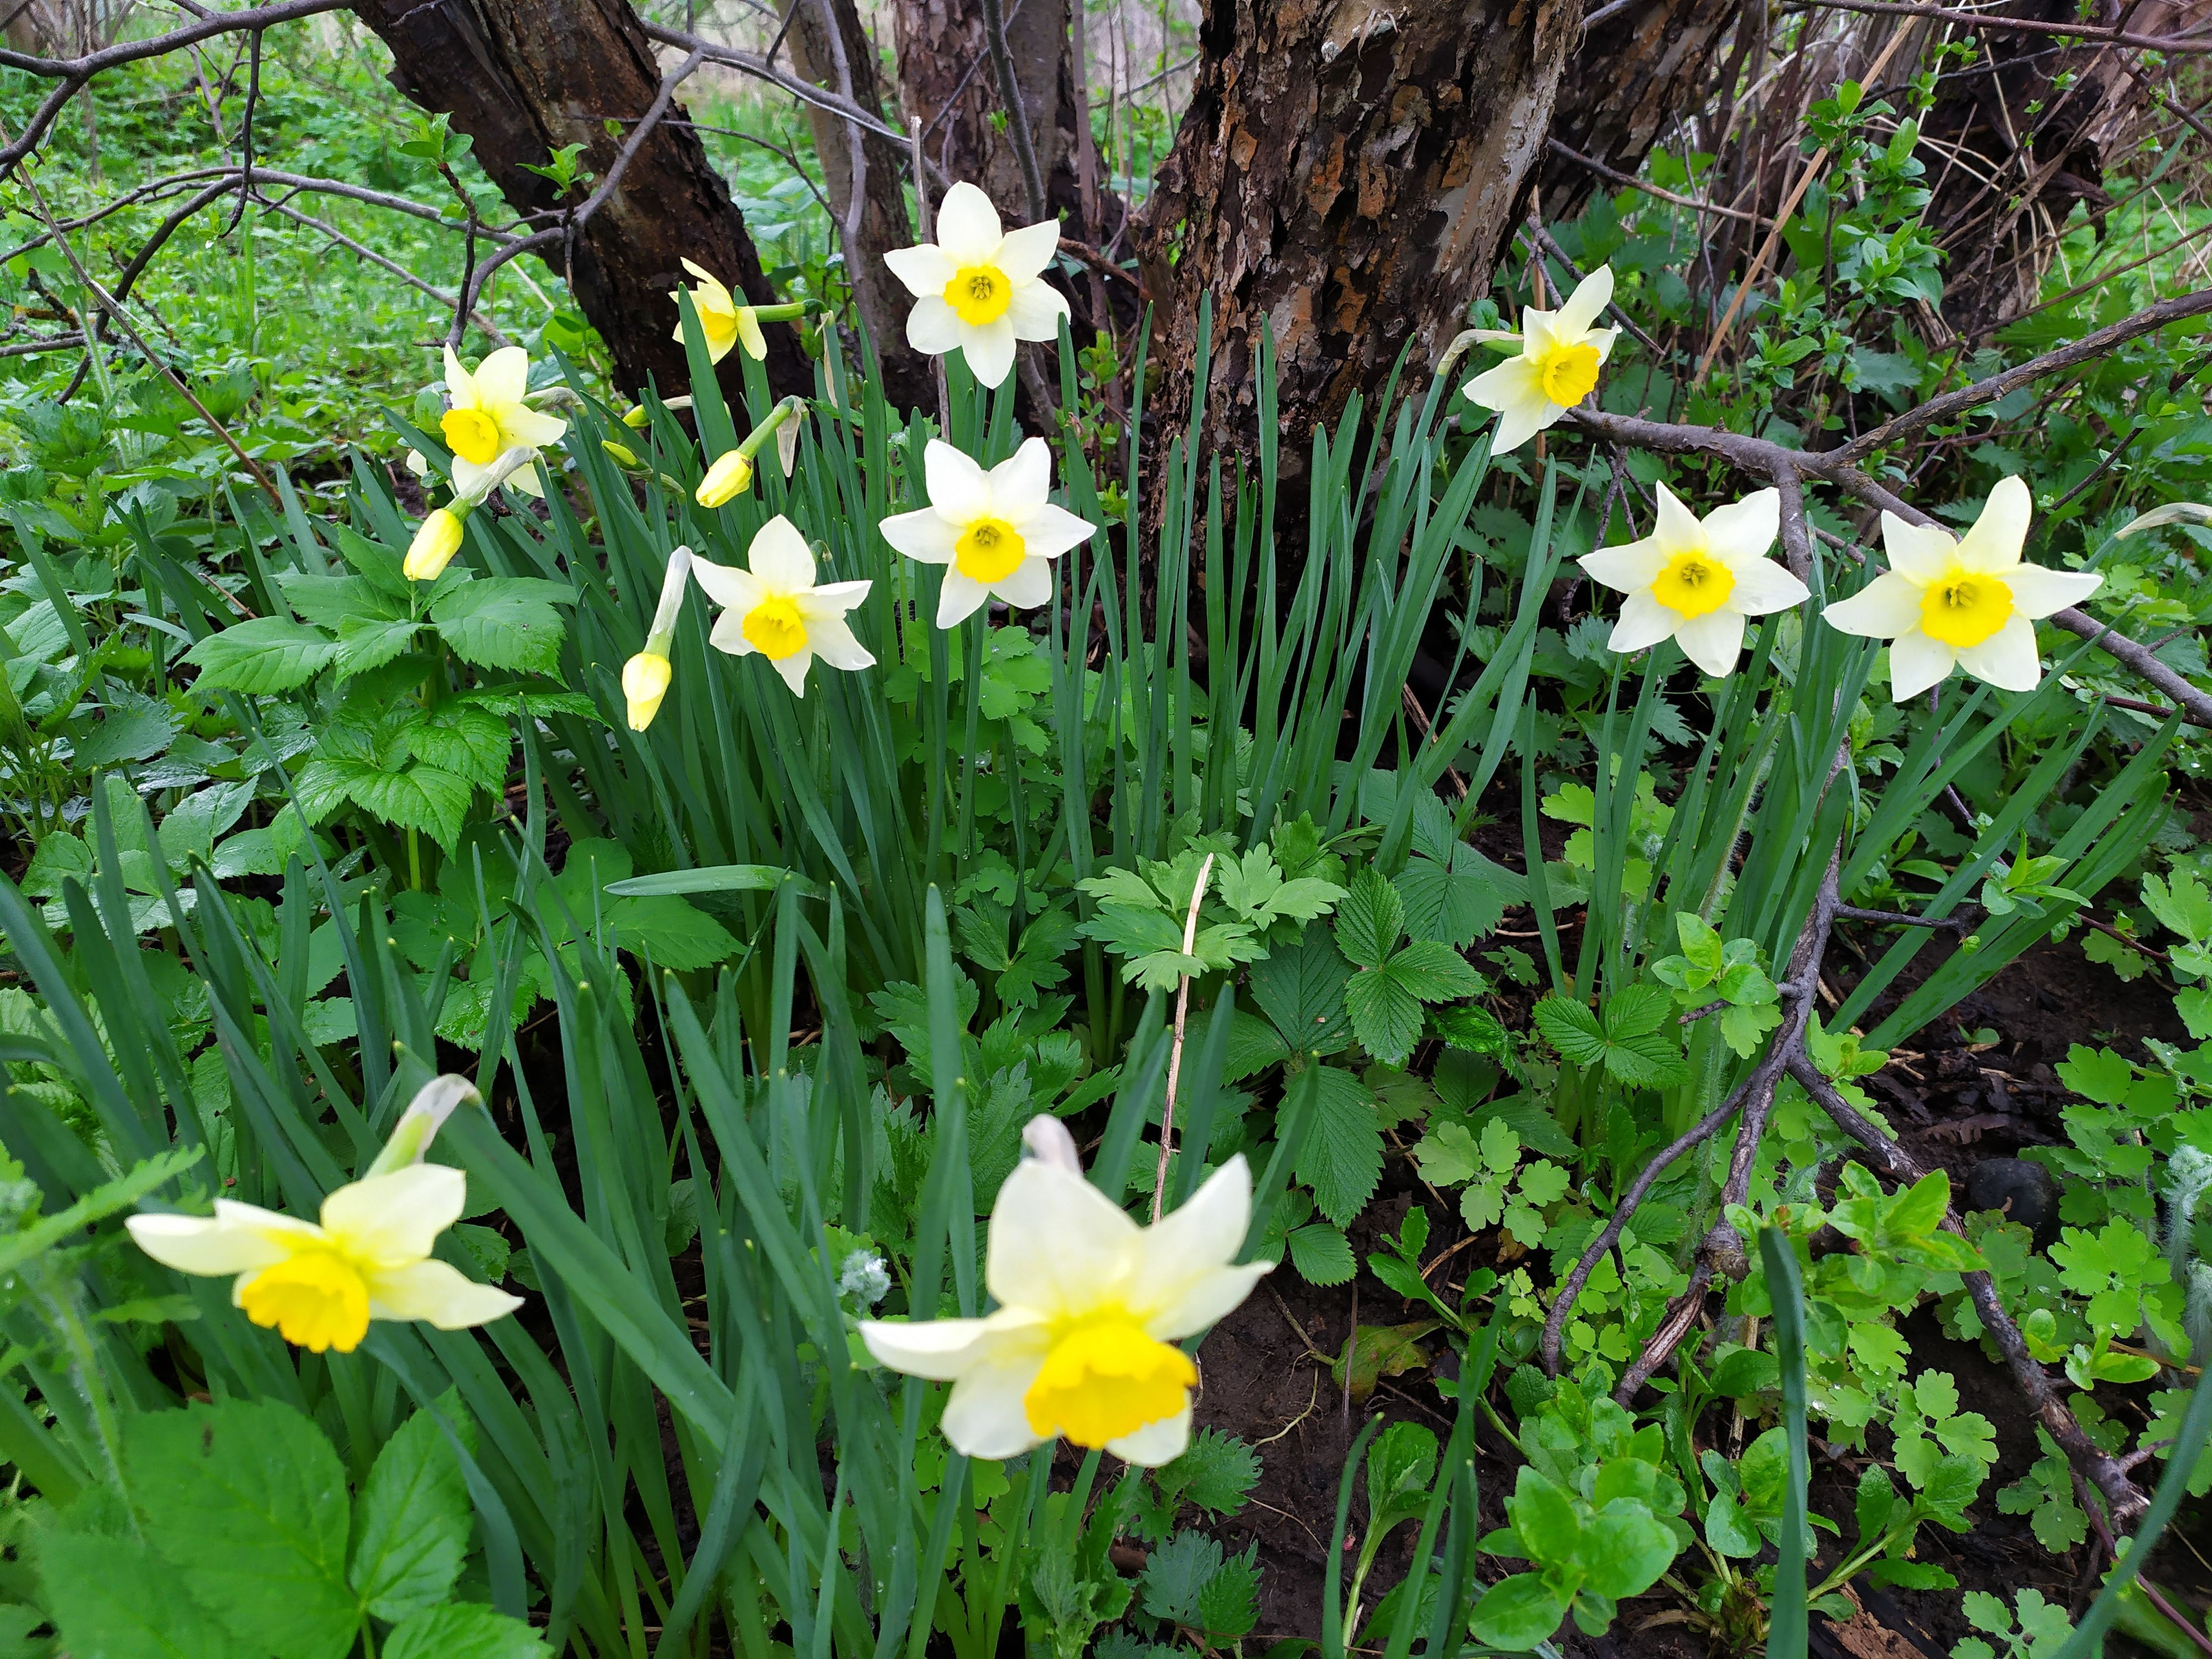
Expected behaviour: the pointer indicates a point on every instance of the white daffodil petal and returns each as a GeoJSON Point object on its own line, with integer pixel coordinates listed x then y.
{"type": "Point", "coordinates": [210, 1248]}
{"type": "Point", "coordinates": [468, 477]}
{"type": "Point", "coordinates": [792, 668]}
{"type": "Point", "coordinates": [923, 534]}
{"type": "Point", "coordinates": [938, 1349]}
{"type": "Point", "coordinates": [1050, 530]}
{"type": "Point", "coordinates": [2037, 590]}
{"type": "Point", "coordinates": [931, 328]}
{"type": "Point", "coordinates": [725, 584]}
{"type": "Point", "coordinates": [1643, 622]}
{"type": "Point", "coordinates": [728, 632]}
{"type": "Point", "coordinates": [1027, 585]}
{"type": "Point", "coordinates": [1057, 1242]}
{"type": "Point", "coordinates": [524, 482]}
{"type": "Point", "coordinates": [984, 1416]}
{"type": "Point", "coordinates": [831, 600]}
{"type": "Point", "coordinates": [393, 1219]}
{"type": "Point", "coordinates": [1035, 309]}
{"type": "Point", "coordinates": [1588, 302]}
{"type": "Point", "coordinates": [1204, 1234]}
{"type": "Point", "coordinates": [1625, 568]}
{"type": "Point", "coordinates": [778, 555]}
{"type": "Point", "coordinates": [925, 270]}
{"type": "Point", "coordinates": [833, 641]}
{"type": "Point", "coordinates": [1155, 1443]}
{"type": "Point", "coordinates": [1204, 1299]}
{"type": "Point", "coordinates": [1921, 553]}
{"type": "Point", "coordinates": [1762, 585]}
{"type": "Point", "coordinates": [504, 377]}
{"type": "Point", "coordinates": [1713, 641]}
{"type": "Point", "coordinates": [1603, 339]}
{"type": "Point", "coordinates": [989, 350]}
{"type": "Point", "coordinates": [1020, 483]}
{"type": "Point", "coordinates": [1916, 662]}
{"type": "Point", "coordinates": [1743, 531]}
{"type": "Point", "coordinates": [1994, 543]}
{"type": "Point", "coordinates": [959, 599]}
{"type": "Point", "coordinates": [460, 384]}
{"type": "Point", "coordinates": [2008, 658]}
{"type": "Point", "coordinates": [525, 425]}
{"type": "Point", "coordinates": [958, 489]}
{"type": "Point", "coordinates": [1677, 529]}
{"type": "Point", "coordinates": [1885, 607]}
{"type": "Point", "coordinates": [1508, 382]}
{"type": "Point", "coordinates": [968, 226]}
{"type": "Point", "coordinates": [1025, 253]}
{"type": "Point", "coordinates": [437, 1293]}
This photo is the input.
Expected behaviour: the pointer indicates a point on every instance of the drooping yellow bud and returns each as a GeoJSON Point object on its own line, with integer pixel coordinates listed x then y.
{"type": "Point", "coordinates": [645, 679]}
{"type": "Point", "coordinates": [435, 544]}
{"type": "Point", "coordinates": [622, 453]}
{"type": "Point", "coordinates": [729, 477]}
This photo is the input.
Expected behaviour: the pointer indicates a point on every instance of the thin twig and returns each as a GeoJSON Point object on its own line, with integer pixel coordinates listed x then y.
{"type": "Point", "coordinates": [1010, 93]}
{"type": "Point", "coordinates": [1175, 1053]}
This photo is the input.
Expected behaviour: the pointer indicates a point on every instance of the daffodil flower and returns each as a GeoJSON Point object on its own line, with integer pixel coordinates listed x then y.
{"type": "Point", "coordinates": [490, 415]}
{"type": "Point", "coordinates": [976, 287]}
{"type": "Point", "coordinates": [646, 676]}
{"type": "Point", "coordinates": [1560, 354]}
{"type": "Point", "coordinates": [731, 474]}
{"type": "Point", "coordinates": [438, 538]}
{"type": "Point", "coordinates": [1695, 580]}
{"type": "Point", "coordinates": [995, 531]}
{"type": "Point", "coordinates": [1965, 602]}
{"type": "Point", "coordinates": [776, 609]}
{"type": "Point", "coordinates": [1090, 1306]}
{"type": "Point", "coordinates": [319, 1283]}
{"type": "Point", "coordinates": [727, 321]}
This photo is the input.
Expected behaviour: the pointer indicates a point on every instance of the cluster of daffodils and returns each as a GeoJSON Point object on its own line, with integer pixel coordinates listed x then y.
{"type": "Point", "coordinates": [318, 1284]}
{"type": "Point", "coordinates": [1945, 601]}
{"type": "Point", "coordinates": [1090, 1306]}
{"type": "Point", "coordinates": [496, 426]}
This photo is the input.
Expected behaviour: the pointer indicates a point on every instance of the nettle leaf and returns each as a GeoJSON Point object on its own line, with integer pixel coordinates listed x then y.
{"type": "Point", "coordinates": [461, 739]}
{"type": "Point", "coordinates": [1371, 920]}
{"type": "Point", "coordinates": [424, 798]}
{"type": "Point", "coordinates": [108, 1594]}
{"type": "Point", "coordinates": [412, 1519]}
{"type": "Point", "coordinates": [267, 654]}
{"type": "Point", "coordinates": [1176, 1575]}
{"type": "Point", "coordinates": [673, 933]}
{"type": "Point", "coordinates": [1342, 1159]}
{"type": "Point", "coordinates": [247, 1501]}
{"type": "Point", "coordinates": [1321, 1255]}
{"type": "Point", "coordinates": [464, 1630]}
{"type": "Point", "coordinates": [365, 642]}
{"type": "Point", "coordinates": [331, 601]}
{"type": "Point", "coordinates": [503, 621]}
{"type": "Point", "coordinates": [1216, 1473]}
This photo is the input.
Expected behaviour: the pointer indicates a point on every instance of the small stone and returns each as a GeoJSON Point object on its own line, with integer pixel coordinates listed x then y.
{"type": "Point", "coordinates": [2023, 1192]}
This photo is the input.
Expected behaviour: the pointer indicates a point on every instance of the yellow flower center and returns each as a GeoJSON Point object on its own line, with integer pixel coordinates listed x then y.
{"type": "Point", "coordinates": [979, 295]}
{"type": "Point", "coordinates": [1965, 607]}
{"type": "Point", "coordinates": [471, 435]}
{"type": "Point", "coordinates": [1105, 1378]}
{"type": "Point", "coordinates": [776, 628]}
{"type": "Point", "coordinates": [315, 1299]}
{"type": "Point", "coordinates": [989, 550]}
{"type": "Point", "coordinates": [1568, 373]}
{"type": "Point", "coordinates": [1693, 584]}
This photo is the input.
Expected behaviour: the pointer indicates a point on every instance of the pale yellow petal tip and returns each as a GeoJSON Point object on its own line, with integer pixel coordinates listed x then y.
{"type": "Point", "coordinates": [645, 680]}
{"type": "Point", "coordinates": [750, 335]}
{"type": "Point", "coordinates": [729, 477]}
{"type": "Point", "coordinates": [433, 549]}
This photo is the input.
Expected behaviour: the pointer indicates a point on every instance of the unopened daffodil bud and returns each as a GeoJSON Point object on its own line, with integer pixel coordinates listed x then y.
{"type": "Point", "coordinates": [638, 418]}
{"type": "Point", "coordinates": [435, 542]}
{"type": "Point", "coordinates": [622, 453]}
{"type": "Point", "coordinates": [645, 679]}
{"type": "Point", "coordinates": [730, 477]}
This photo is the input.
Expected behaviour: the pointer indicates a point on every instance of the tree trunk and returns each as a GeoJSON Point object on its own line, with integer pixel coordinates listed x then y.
{"type": "Point", "coordinates": [1344, 176]}
{"type": "Point", "coordinates": [523, 77]}
{"type": "Point", "coordinates": [1633, 72]}
{"type": "Point", "coordinates": [880, 297]}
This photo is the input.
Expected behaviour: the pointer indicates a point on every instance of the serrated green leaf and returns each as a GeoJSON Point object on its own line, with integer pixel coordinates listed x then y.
{"type": "Point", "coordinates": [1434, 972]}
{"type": "Point", "coordinates": [1342, 1159]}
{"type": "Point", "coordinates": [464, 1630]}
{"type": "Point", "coordinates": [412, 1521]}
{"type": "Point", "coordinates": [1571, 1029]}
{"type": "Point", "coordinates": [365, 643]}
{"type": "Point", "coordinates": [1300, 988]}
{"type": "Point", "coordinates": [1386, 1017]}
{"type": "Point", "coordinates": [110, 1595]}
{"type": "Point", "coordinates": [266, 655]}
{"type": "Point", "coordinates": [1370, 921]}
{"type": "Point", "coordinates": [1321, 1255]}
{"type": "Point", "coordinates": [501, 621]}
{"type": "Point", "coordinates": [460, 738]}
{"type": "Point", "coordinates": [674, 934]}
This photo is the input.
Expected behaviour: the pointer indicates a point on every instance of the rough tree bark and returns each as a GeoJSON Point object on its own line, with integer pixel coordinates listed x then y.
{"type": "Point", "coordinates": [1346, 174]}
{"type": "Point", "coordinates": [882, 300]}
{"type": "Point", "coordinates": [522, 77]}
{"type": "Point", "coordinates": [1634, 73]}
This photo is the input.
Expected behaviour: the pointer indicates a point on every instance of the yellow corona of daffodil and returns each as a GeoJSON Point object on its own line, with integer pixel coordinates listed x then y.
{"type": "Point", "coordinates": [1965, 602]}
{"type": "Point", "coordinates": [977, 288]}
{"type": "Point", "coordinates": [646, 676]}
{"type": "Point", "coordinates": [722, 319]}
{"type": "Point", "coordinates": [776, 609]}
{"type": "Point", "coordinates": [1559, 355]}
{"type": "Point", "coordinates": [319, 1283]}
{"type": "Point", "coordinates": [1091, 1305]}
{"type": "Point", "coordinates": [490, 416]}
{"type": "Point", "coordinates": [1695, 581]}
{"type": "Point", "coordinates": [994, 531]}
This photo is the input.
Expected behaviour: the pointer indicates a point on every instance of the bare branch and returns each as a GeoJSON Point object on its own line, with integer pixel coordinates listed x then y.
{"type": "Point", "coordinates": [2089, 34]}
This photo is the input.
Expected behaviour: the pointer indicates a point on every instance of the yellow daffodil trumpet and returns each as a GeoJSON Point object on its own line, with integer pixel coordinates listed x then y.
{"type": "Point", "coordinates": [367, 1257]}
{"type": "Point", "coordinates": [731, 474]}
{"type": "Point", "coordinates": [1966, 602]}
{"type": "Point", "coordinates": [776, 609]}
{"type": "Point", "coordinates": [1695, 581]}
{"type": "Point", "coordinates": [646, 676]}
{"type": "Point", "coordinates": [1089, 1307]}
{"type": "Point", "coordinates": [491, 413]}
{"type": "Point", "coordinates": [977, 288]}
{"type": "Point", "coordinates": [726, 321]}
{"type": "Point", "coordinates": [994, 531]}
{"type": "Point", "coordinates": [1559, 354]}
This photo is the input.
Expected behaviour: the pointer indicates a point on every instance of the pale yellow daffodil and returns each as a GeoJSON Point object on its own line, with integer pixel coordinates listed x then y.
{"type": "Point", "coordinates": [994, 531]}
{"type": "Point", "coordinates": [319, 1283]}
{"type": "Point", "coordinates": [1557, 366]}
{"type": "Point", "coordinates": [977, 288]}
{"type": "Point", "coordinates": [1965, 602]}
{"type": "Point", "coordinates": [1695, 581]}
{"type": "Point", "coordinates": [1091, 1305]}
{"type": "Point", "coordinates": [489, 416]}
{"type": "Point", "coordinates": [775, 608]}
{"type": "Point", "coordinates": [723, 319]}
